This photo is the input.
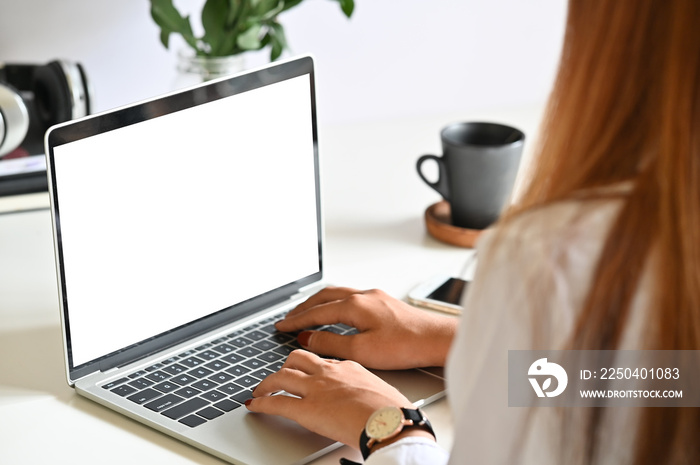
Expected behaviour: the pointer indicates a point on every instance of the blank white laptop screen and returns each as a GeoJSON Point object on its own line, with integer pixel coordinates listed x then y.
{"type": "Point", "coordinates": [167, 220]}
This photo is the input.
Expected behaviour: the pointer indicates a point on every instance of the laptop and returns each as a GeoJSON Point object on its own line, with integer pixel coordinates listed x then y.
{"type": "Point", "coordinates": [184, 227]}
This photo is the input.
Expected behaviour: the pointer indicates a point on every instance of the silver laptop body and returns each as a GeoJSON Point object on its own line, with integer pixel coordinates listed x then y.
{"type": "Point", "coordinates": [184, 226]}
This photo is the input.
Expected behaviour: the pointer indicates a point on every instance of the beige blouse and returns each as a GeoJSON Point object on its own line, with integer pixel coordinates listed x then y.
{"type": "Point", "coordinates": [532, 278]}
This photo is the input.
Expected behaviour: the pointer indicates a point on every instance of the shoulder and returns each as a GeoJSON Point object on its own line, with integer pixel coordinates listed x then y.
{"type": "Point", "coordinates": [559, 234]}
{"type": "Point", "coordinates": [538, 266]}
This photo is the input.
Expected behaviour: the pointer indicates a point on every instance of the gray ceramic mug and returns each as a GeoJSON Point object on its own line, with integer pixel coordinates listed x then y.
{"type": "Point", "coordinates": [477, 170]}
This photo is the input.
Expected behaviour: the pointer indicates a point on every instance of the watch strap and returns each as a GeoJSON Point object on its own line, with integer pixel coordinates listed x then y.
{"type": "Point", "coordinates": [415, 415]}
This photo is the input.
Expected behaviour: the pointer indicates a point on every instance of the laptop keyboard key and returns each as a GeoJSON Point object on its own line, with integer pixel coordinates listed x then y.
{"type": "Point", "coordinates": [144, 396]}
{"type": "Point", "coordinates": [247, 381]}
{"type": "Point", "coordinates": [141, 383]}
{"type": "Point", "coordinates": [158, 376]}
{"type": "Point", "coordinates": [213, 396]}
{"type": "Point", "coordinates": [124, 390]}
{"type": "Point", "coordinates": [204, 385]}
{"type": "Point", "coordinates": [175, 369]}
{"type": "Point", "coordinates": [192, 421]}
{"type": "Point", "coordinates": [221, 377]}
{"type": "Point", "coordinates": [249, 352]}
{"type": "Point", "coordinates": [277, 366]}
{"type": "Point", "coordinates": [238, 370]}
{"type": "Point", "coordinates": [230, 389]}
{"type": "Point", "coordinates": [265, 345]}
{"type": "Point", "coordinates": [200, 372]}
{"type": "Point", "coordinates": [185, 408]}
{"type": "Point", "coordinates": [241, 397]}
{"type": "Point", "coordinates": [232, 358]}
{"type": "Point", "coordinates": [191, 362]}
{"type": "Point", "coordinates": [164, 402]}
{"type": "Point", "coordinates": [210, 413]}
{"type": "Point", "coordinates": [262, 374]}
{"type": "Point", "coordinates": [256, 335]}
{"type": "Point", "coordinates": [208, 355]}
{"type": "Point", "coordinates": [166, 386]}
{"type": "Point", "coordinates": [281, 338]}
{"type": "Point", "coordinates": [184, 380]}
{"type": "Point", "coordinates": [240, 341]}
{"type": "Point", "coordinates": [254, 363]}
{"type": "Point", "coordinates": [284, 350]}
{"type": "Point", "coordinates": [224, 348]}
{"type": "Point", "coordinates": [227, 405]}
{"type": "Point", "coordinates": [187, 392]}
{"type": "Point", "coordinates": [115, 383]}
{"type": "Point", "coordinates": [269, 329]}
{"type": "Point", "coordinates": [216, 365]}
{"type": "Point", "coordinates": [270, 357]}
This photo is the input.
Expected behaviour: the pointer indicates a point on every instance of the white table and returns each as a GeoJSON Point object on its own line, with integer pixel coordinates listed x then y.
{"type": "Point", "coordinates": [373, 203]}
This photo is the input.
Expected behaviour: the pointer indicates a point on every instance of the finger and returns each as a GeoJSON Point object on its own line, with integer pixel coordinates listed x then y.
{"type": "Point", "coordinates": [286, 406]}
{"type": "Point", "coordinates": [286, 379]}
{"type": "Point", "coordinates": [328, 344]}
{"type": "Point", "coordinates": [328, 294]}
{"type": "Point", "coordinates": [327, 313]}
{"type": "Point", "coordinates": [304, 361]}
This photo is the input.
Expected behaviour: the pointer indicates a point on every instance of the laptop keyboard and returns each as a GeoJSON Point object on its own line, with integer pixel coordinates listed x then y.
{"type": "Point", "coordinates": [215, 378]}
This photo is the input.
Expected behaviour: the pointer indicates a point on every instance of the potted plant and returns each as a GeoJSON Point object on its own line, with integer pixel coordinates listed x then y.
{"type": "Point", "coordinates": [231, 27]}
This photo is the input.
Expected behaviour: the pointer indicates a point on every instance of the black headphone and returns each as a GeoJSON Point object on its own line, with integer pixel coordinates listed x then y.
{"type": "Point", "coordinates": [35, 97]}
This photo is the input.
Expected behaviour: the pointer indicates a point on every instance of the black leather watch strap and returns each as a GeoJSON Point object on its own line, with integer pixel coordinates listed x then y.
{"type": "Point", "coordinates": [415, 415]}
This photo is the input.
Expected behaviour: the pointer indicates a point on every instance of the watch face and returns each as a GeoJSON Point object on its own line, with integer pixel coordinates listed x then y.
{"type": "Point", "coordinates": [384, 422]}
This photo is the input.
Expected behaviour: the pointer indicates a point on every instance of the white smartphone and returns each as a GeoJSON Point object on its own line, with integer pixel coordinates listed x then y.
{"type": "Point", "coordinates": [442, 293]}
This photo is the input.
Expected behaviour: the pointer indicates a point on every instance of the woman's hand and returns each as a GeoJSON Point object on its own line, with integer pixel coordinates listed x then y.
{"type": "Point", "coordinates": [392, 334]}
{"type": "Point", "coordinates": [333, 398]}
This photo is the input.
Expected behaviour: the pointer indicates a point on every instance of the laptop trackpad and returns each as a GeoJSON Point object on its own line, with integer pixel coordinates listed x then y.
{"type": "Point", "coordinates": [419, 386]}
{"type": "Point", "coordinates": [264, 439]}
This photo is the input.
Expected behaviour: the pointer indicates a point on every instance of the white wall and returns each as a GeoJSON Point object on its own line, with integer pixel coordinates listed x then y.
{"type": "Point", "coordinates": [394, 58]}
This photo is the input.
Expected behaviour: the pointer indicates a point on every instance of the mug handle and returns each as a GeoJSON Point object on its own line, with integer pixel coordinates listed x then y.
{"type": "Point", "coordinates": [440, 185]}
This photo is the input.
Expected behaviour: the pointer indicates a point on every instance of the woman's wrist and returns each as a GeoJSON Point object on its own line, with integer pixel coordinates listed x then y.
{"type": "Point", "coordinates": [390, 424]}
{"type": "Point", "coordinates": [406, 433]}
{"type": "Point", "coordinates": [439, 340]}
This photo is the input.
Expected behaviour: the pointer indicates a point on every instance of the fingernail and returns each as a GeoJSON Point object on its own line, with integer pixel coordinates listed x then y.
{"type": "Point", "coordinates": [248, 401]}
{"type": "Point", "coordinates": [303, 338]}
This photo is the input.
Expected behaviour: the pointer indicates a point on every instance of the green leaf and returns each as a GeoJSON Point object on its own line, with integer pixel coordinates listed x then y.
{"type": "Point", "coordinates": [273, 8]}
{"type": "Point", "coordinates": [250, 39]}
{"type": "Point", "coordinates": [214, 14]}
{"type": "Point", "coordinates": [263, 7]}
{"type": "Point", "coordinates": [348, 6]}
{"type": "Point", "coordinates": [288, 4]}
{"type": "Point", "coordinates": [164, 38]}
{"type": "Point", "coordinates": [169, 19]}
{"type": "Point", "coordinates": [234, 9]}
{"type": "Point", "coordinates": [231, 26]}
{"type": "Point", "coordinates": [278, 40]}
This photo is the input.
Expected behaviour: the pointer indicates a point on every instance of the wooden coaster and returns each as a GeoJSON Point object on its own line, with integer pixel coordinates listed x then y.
{"type": "Point", "coordinates": [437, 221]}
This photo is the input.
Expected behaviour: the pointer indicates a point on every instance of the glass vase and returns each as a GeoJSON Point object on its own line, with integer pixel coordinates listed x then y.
{"type": "Point", "coordinates": [193, 69]}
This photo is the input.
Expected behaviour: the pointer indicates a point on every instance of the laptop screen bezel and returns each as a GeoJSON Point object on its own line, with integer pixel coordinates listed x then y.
{"type": "Point", "coordinates": [153, 108]}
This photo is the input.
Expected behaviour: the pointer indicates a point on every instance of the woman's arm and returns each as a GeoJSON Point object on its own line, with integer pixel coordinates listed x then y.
{"type": "Point", "coordinates": [329, 397]}
{"type": "Point", "coordinates": [392, 334]}
{"type": "Point", "coordinates": [335, 398]}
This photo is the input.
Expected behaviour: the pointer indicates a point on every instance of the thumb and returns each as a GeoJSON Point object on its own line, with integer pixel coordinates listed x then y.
{"type": "Point", "coordinates": [325, 343]}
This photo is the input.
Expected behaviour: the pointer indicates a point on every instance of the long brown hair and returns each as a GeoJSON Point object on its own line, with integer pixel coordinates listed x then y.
{"type": "Point", "coordinates": [626, 108]}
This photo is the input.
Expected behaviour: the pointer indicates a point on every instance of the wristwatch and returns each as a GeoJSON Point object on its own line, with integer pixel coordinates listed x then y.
{"type": "Point", "coordinates": [387, 423]}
